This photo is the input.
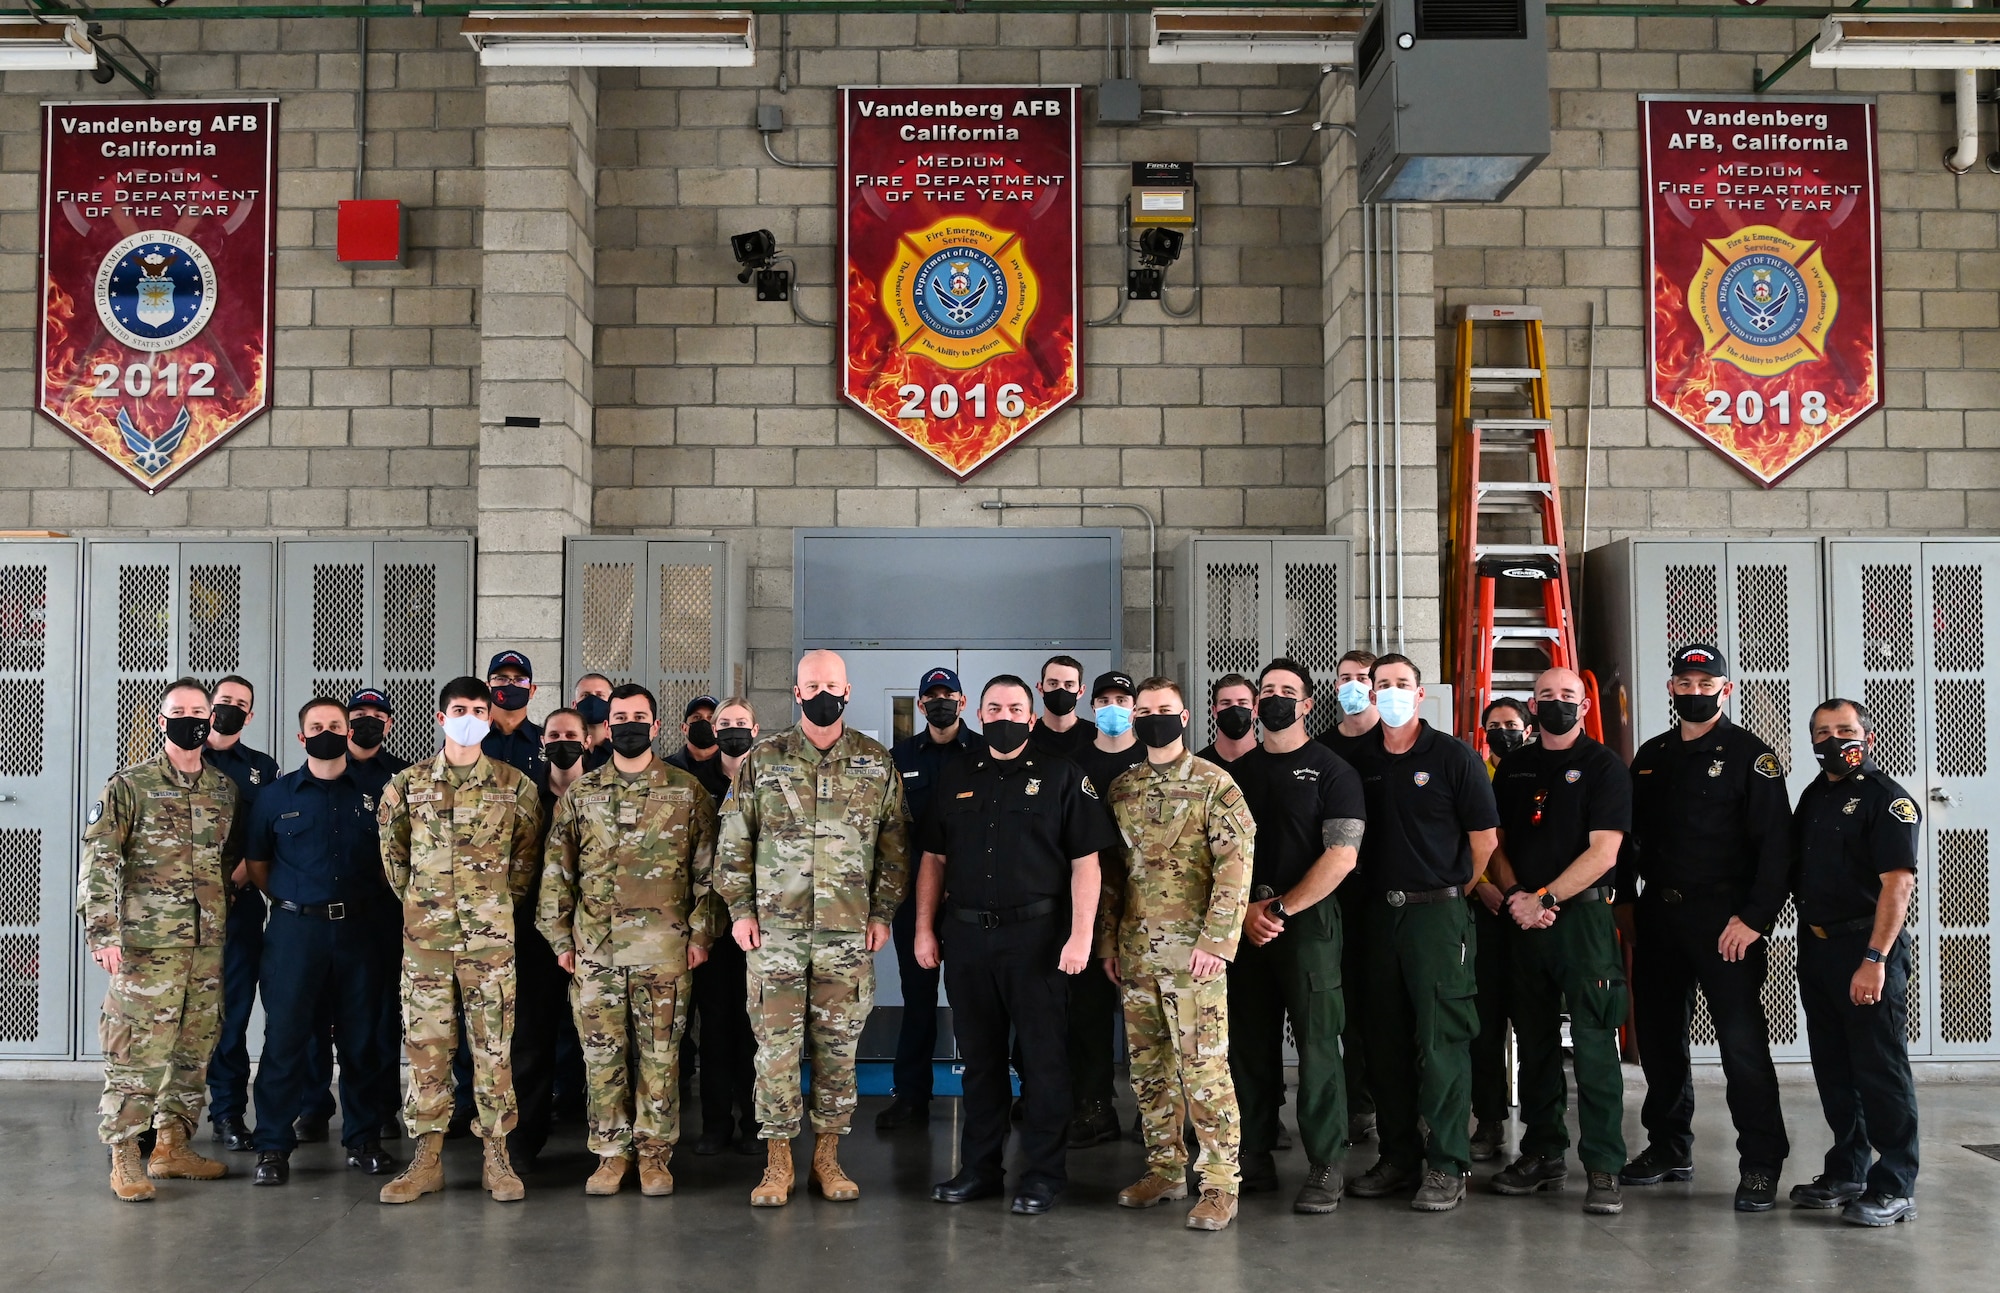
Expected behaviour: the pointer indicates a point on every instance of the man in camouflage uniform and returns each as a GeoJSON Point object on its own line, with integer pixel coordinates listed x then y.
{"type": "Point", "coordinates": [459, 843]}
{"type": "Point", "coordinates": [617, 905]}
{"type": "Point", "coordinates": [1171, 915]}
{"type": "Point", "coordinates": [813, 860]}
{"type": "Point", "coordinates": [153, 895]}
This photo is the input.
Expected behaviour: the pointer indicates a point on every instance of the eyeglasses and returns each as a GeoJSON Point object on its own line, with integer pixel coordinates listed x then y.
{"type": "Point", "coordinates": [1541, 801]}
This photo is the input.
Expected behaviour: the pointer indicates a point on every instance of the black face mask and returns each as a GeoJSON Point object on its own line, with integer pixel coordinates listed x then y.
{"type": "Point", "coordinates": [227, 719]}
{"type": "Point", "coordinates": [564, 754]}
{"type": "Point", "coordinates": [1555, 716]}
{"type": "Point", "coordinates": [823, 708]}
{"type": "Point", "coordinates": [509, 695]}
{"type": "Point", "coordinates": [735, 741]}
{"type": "Point", "coordinates": [1004, 735]}
{"type": "Point", "coordinates": [366, 733]}
{"type": "Point", "coordinates": [187, 733]}
{"type": "Point", "coordinates": [1059, 702]}
{"type": "Point", "coordinates": [326, 745]}
{"type": "Point", "coordinates": [1694, 707]}
{"type": "Point", "coordinates": [1277, 713]}
{"type": "Point", "coordinates": [631, 739]}
{"type": "Point", "coordinates": [1159, 731]}
{"type": "Point", "coordinates": [594, 710]}
{"type": "Point", "coordinates": [1837, 755]}
{"type": "Point", "coordinates": [701, 734]}
{"type": "Point", "coordinates": [1235, 722]}
{"type": "Point", "coordinates": [1505, 740]}
{"type": "Point", "coordinates": [941, 712]}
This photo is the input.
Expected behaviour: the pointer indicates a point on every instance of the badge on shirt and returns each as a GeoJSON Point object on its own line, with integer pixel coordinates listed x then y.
{"type": "Point", "coordinates": [628, 814]}
{"type": "Point", "coordinates": [1422, 778]}
{"type": "Point", "coordinates": [1903, 810]}
{"type": "Point", "coordinates": [256, 776]}
{"type": "Point", "coordinates": [1850, 806]}
{"type": "Point", "coordinates": [1034, 786]}
{"type": "Point", "coordinates": [368, 803]}
{"type": "Point", "coordinates": [163, 794]}
{"type": "Point", "coordinates": [1089, 789]}
{"type": "Point", "coordinates": [1767, 766]}
{"type": "Point", "coordinates": [1308, 774]}
{"type": "Point", "coordinates": [1573, 776]}
{"type": "Point", "coordinates": [1715, 769]}
{"type": "Point", "coordinates": [966, 794]}
{"type": "Point", "coordinates": [96, 811]}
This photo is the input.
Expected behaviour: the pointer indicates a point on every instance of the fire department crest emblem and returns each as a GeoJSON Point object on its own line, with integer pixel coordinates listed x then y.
{"type": "Point", "coordinates": [1763, 300]}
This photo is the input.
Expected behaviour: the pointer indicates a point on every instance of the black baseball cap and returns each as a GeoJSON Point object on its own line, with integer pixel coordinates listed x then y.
{"type": "Point", "coordinates": [709, 703]}
{"type": "Point", "coordinates": [374, 696]}
{"type": "Point", "coordinates": [1699, 657]}
{"type": "Point", "coordinates": [1113, 681]}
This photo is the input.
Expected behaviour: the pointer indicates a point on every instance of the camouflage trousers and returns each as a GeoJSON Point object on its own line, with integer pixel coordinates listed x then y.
{"type": "Point", "coordinates": [435, 986]}
{"type": "Point", "coordinates": [160, 1021]}
{"type": "Point", "coordinates": [630, 1020]}
{"type": "Point", "coordinates": [1178, 1031]}
{"type": "Point", "coordinates": [808, 987]}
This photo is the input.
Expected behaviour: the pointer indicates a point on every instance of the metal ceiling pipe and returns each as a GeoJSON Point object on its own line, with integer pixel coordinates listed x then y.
{"type": "Point", "coordinates": [1960, 159]}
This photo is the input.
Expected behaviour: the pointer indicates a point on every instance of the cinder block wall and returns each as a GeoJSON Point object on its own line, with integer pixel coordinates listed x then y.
{"type": "Point", "coordinates": [1929, 462]}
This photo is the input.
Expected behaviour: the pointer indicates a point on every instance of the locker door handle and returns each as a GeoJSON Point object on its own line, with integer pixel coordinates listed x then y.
{"type": "Point", "coordinates": [1939, 795]}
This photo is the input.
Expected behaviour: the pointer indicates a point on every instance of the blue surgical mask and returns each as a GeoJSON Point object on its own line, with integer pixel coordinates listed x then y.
{"type": "Point", "coordinates": [1353, 697]}
{"type": "Point", "coordinates": [1114, 720]}
{"type": "Point", "coordinates": [1396, 705]}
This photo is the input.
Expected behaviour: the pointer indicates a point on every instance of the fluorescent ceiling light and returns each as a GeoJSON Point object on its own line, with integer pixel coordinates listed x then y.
{"type": "Point", "coordinates": [62, 45]}
{"type": "Point", "coordinates": [513, 38]}
{"type": "Point", "coordinates": [1254, 36]}
{"type": "Point", "coordinates": [1895, 40]}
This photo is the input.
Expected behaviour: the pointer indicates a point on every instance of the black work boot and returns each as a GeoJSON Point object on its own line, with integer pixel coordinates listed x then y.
{"type": "Point", "coordinates": [1655, 1165]}
{"type": "Point", "coordinates": [1384, 1179]}
{"type": "Point", "coordinates": [1756, 1190]}
{"type": "Point", "coordinates": [1322, 1190]}
{"type": "Point", "coordinates": [1825, 1192]}
{"type": "Point", "coordinates": [1529, 1173]}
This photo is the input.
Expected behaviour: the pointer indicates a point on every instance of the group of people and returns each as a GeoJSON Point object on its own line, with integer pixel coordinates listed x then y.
{"type": "Point", "coordinates": [1400, 902]}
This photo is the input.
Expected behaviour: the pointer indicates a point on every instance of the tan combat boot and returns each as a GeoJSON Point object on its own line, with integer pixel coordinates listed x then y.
{"type": "Point", "coordinates": [833, 1182]}
{"type": "Point", "coordinates": [655, 1181]}
{"type": "Point", "coordinates": [128, 1175]}
{"type": "Point", "coordinates": [775, 1190]}
{"type": "Point", "coordinates": [1215, 1211]}
{"type": "Point", "coordinates": [424, 1175]}
{"type": "Point", "coordinates": [1151, 1190]}
{"type": "Point", "coordinates": [498, 1178]}
{"type": "Point", "coordinates": [609, 1178]}
{"type": "Point", "coordinates": [174, 1159]}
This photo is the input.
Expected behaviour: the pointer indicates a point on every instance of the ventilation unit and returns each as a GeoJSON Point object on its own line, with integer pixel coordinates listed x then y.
{"type": "Point", "coordinates": [1453, 99]}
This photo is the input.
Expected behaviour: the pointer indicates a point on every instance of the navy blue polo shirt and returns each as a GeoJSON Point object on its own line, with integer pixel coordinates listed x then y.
{"type": "Point", "coordinates": [373, 774]}
{"type": "Point", "coordinates": [251, 770]}
{"type": "Point", "coordinates": [319, 837]}
{"type": "Point", "coordinates": [922, 762]}
{"type": "Point", "coordinates": [521, 747]}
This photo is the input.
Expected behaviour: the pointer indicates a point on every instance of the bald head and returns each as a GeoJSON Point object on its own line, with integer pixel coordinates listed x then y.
{"type": "Point", "coordinates": [1559, 684]}
{"type": "Point", "coordinates": [822, 670]}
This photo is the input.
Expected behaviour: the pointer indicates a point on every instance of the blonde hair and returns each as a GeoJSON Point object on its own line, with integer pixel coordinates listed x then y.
{"type": "Point", "coordinates": [739, 702]}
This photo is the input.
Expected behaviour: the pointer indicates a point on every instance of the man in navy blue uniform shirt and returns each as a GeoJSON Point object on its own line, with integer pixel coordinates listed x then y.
{"type": "Point", "coordinates": [514, 738]}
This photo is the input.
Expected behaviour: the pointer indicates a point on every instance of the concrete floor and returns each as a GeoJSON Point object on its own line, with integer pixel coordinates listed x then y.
{"type": "Point", "coordinates": [325, 1231]}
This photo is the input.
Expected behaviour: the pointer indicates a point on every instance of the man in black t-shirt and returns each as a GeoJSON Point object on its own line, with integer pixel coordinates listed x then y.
{"type": "Point", "coordinates": [1232, 704]}
{"type": "Point", "coordinates": [1307, 804]}
{"type": "Point", "coordinates": [1430, 830]}
{"type": "Point", "coordinates": [1354, 698]}
{"type": "Point", "coordinates": [1565, 805]}
{"type": "Point", "coordinates": [1060, 731]}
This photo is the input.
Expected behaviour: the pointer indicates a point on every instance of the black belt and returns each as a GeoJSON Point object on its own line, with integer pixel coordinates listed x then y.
{"type": "Point", "coordinates": [1855, 926]}
{"type": "Point", "coordinates": [1006, 916]}
{"type": "Point", "coordinates": [325, 911]}
{"type": "Point", "coordinates": [1596, 893]}
{"type": "Point", "coordinates": [1674, 897]}
{"type": "Point", "coordinates": [1408, 897]}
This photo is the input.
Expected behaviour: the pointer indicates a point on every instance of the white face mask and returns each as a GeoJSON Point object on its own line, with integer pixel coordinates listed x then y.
{"type": "Point", "coordinates": [1353, 696]}
{"type": "Point", "coordinates": [1396, 705]}
{"type": "Point", "coordinates": [466, 729]}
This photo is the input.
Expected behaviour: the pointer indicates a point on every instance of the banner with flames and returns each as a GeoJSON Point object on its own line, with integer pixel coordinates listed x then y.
{"type": "Point", "coordinates": [158, 233]}
{"type": "Point", "coordinates": [959, 237]}
{"type": "Point", "coordinates": [1763, 252]}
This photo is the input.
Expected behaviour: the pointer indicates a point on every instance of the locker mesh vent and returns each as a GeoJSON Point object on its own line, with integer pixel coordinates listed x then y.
{"type": "Point", "coordinates": [20, 877]}
{"type": "Point", "coordinates": [687, 623]}
{"type": "Point", "coordinates": [1312, 618]}
{"type": "Point", "coordinates": [214, 619]}
{"type": "Point", "coordinates": [24, 616]}
{"type": "Point", "coordinates": [1961, 727]}
{"type": "Point", "coordinates": [1910, 922]}
{"type": "Point", "coordinates": [1232, 644]}
{"type": "Point", "coordinates": [1763, 620]}
{"type": "Point", "coordinates": [409, 618]}
{"type": "Point", "coordinates": [609, 599]}
{"type": "Point", "coordinates": [1965, 988]}
{"type": "Point", "coordinates": [1959, 620]}
{"type": "Point", "coordinates": [1781, 985]}
{"type": "Point", "coordinates": [673, 696]}
{"type": "Point", "coordinates": [333, 689]}
{"type": "Point", "coordinates": [1964, 895]}
{"type": "Point", "coordinates": [414, 737]}
{"type": "Point", "coordinates": [1888, 621]}
{"type": "Point", "coordinates": [20, 987]}
{"type": "Point", "coordinates": [145, 609]}
{"type": "Point", "coordinates": [1764, 706]}
{"type": "Point", "coordinates": [138, 734]}
{"type": "Point", "coordinates": [1693, 608]}
{"type": "Point", "coordinates": [21, 736]}
{"type": "Point", "coordinates": [339, 617]}
{"type": "Point", "coordinates": [1701, 1028]}
{"type": "Point", "coordinates": [1893, 701]}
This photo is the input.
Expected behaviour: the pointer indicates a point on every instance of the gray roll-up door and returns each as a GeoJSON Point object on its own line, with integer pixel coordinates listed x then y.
{"type": "Point", "coordinates": [154, 611]}
{"type": "Point", "coordinates": [40, 585]}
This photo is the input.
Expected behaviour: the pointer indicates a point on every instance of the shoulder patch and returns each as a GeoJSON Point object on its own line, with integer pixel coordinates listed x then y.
{"type": "Point", "coordinates": [96, 811]}
{"type": "Point", "coordinates": [1083, 783]}
{"type": "Point", "coordinates": [1904, 810]}
{"type": "Point", "coordinates": [1767, 766]}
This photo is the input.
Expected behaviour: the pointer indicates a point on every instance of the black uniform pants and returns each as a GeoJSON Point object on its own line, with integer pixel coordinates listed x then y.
{"type": "Point", "coordinates": [1298, 974]}
{"type": "Point", "coordinates": [1861, 1061]}
{"type": "Point", "coordinates": [541, 1003]}
{"type": "Point", "coordinates": [1492, 1090]}
{"type": "Point", "coordinates": [242, 949]}
{"type": "Point", "coordinates": [728, 1048]}
{"type": "Point", "coordinates": [1002, 979]}
{"type": "Point", "coordinates": [307, 960]}
{"type": "Point", "coordinates": [916, 1042]}
{"type": "Point", "coordinates": [1094, 1012]}
{"type": "Point", "coordinates": [1676, 952]}
{"type": "Point", "coordinates": [385, 921]}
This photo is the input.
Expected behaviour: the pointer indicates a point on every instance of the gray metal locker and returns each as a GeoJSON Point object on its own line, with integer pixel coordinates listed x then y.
{"type": "Point", "coordinates": [1907, 630]}
{"type": "Point", "coordinates": [40, 586]}
{"type": "Point", "coordinates": [154, 611]}
{"type": "Point", "coordinates": [1237, 602]}
{"type": "Point", "coordinates": [392, 613]}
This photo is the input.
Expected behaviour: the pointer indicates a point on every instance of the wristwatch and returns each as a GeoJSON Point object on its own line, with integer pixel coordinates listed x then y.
{"type": "Point", "coordinates": [1548, 899]}
{"type": "Point", "coordinates": [1277, 909]}
{"type": "Point", "coordinates": [1874, 957]}
{"type": "Point", "coordinates": [1513, 889]}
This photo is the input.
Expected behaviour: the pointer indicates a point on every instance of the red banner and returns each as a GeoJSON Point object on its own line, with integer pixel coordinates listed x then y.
{"type": "Point", "coordinates": [1764, 257]}
{"type": "Point", "coordinates": [159, 226]}
{"type": "Point", "coordinates": [959, 237]}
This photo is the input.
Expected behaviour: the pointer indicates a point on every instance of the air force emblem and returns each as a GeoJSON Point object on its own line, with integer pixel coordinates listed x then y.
{"type": "Point", "coordinates": [1763, 300]}
{"type": "Point", "coordinates": [152, 454]}
{"type": "Point", "coordinates": [155, 290]}
{"type": "Point", "coordinates": [960, 292]}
